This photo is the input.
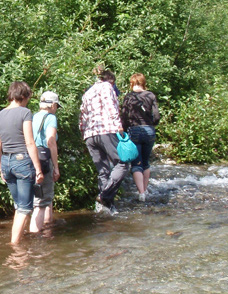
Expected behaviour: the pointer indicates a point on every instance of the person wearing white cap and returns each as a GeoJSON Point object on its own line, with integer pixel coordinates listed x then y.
{"type": "Point", "coordinates": [46, 137]}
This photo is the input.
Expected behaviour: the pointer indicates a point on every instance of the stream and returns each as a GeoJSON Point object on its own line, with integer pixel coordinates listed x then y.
{"type": "Point", "coordinates": [175, 242]}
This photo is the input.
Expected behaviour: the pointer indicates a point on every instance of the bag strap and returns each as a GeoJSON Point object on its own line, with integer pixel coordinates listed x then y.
{"type": "Point", "coordinates": [41, 125]}
{"type": "Point", "coordinates": [155, 111]}
{"type": "Point", "coordinates": [141, 107]}
{"type": "Point", "coordinates": [123, 139]}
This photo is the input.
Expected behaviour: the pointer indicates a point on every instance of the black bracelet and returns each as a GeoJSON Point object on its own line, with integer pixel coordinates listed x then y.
{"type": "Point", "coordinates": [39, 174]}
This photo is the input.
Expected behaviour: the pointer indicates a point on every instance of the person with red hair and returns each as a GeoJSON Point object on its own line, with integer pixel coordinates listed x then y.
{"type": "Point", "coordinates": [140, 115]}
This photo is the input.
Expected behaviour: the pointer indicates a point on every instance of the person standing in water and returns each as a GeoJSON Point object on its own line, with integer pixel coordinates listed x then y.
{"type": "Point", "coordinates": [19, 162]}
{"type": "Point", "coordinates": [139, 116]}
{"type": "Point", "coordinates": [99, 122]}
{"type": "Point", "coordinates": [47, 137]}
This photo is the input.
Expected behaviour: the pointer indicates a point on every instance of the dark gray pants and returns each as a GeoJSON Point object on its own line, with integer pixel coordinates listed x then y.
{"type": "Point", "coordinates": [111, 171]}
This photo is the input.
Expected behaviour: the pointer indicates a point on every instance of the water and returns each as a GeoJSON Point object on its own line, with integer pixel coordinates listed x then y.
{"type": "Point", "coordinates": [176, 242]}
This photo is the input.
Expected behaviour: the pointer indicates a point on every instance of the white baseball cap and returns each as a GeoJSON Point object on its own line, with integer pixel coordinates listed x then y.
{"type": "Point", "coordinates": [50, 97]}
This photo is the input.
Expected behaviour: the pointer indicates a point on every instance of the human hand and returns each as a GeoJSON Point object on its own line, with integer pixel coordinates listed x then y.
{"type": "Point", "coordinates": [56, 174]}
{"type": "Point", "coordinates": [1, 174]}
{"type": "Point", "coordinates": [39, 178]}
{"type": "Point", "coordinates": [121, 131]}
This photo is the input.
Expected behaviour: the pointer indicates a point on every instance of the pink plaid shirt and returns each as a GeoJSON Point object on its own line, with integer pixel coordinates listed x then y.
{"type": "Point", "coordinates": [99, 111]}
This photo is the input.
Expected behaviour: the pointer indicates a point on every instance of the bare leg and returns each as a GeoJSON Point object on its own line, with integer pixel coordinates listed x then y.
{"type": "Point", "coordinates": [37, 219]}
{"type": "Point", "coordinates": [146, 177]}
{"type": "Point", "coordinates": [48, 216]}
{"type": "Point", "coordinates": [139, 181]}
{"type": "Point", "coordinates": [18, 227]}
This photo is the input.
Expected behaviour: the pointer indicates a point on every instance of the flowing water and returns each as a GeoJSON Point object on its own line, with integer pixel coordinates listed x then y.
{"type": "Point", "coordinates": [176, 242]}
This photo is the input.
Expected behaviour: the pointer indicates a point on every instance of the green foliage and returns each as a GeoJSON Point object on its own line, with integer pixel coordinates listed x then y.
{"type": "Point", "coordinates": [78, 183]}
{"type": "Point", "coordinates": [198, 134]}
{"type": "Point", "coordinates": [6, 201]}
{"type": "Point", "coordinates": [180, 46]}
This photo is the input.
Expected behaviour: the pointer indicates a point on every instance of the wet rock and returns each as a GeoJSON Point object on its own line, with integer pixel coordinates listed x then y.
{"type": "Point", "coordinates": [168, 161]}
{"type": "Point", "coordinates": [174, 234]}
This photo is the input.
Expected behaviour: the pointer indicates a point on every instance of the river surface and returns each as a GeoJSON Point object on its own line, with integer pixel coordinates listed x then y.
{"type": "Point", "coordinates": [175, 242]}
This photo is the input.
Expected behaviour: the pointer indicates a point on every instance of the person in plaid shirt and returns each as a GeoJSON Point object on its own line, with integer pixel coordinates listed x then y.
{"type": "Point", "coordinates": [99, 122]}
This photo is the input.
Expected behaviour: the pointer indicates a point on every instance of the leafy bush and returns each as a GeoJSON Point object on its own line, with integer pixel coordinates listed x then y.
{"type": "Point", "coordinates": [197, 129]}
{"type": "Point", "coordinates": [180, 46]}
{"type": "Point", "coordinates": [77, 186]}
{"type": "Point", "coordinates": [6, 201]}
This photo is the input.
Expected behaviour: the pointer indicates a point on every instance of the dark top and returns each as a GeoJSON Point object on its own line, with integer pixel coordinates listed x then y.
{"type": "Point", "coordinates": [140, 108]}
{"type": "Point", "coordinates": [11, 129]}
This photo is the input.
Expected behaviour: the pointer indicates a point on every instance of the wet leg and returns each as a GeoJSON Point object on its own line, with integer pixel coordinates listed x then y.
{"type": "Point", "coordinates": [146, 177]}
{"type": "Point", "coordinates": [37, 219]}
{"type": "Point", "coordinates": [48, 216]}
{"type": "Point", "coordinates": [139, 181]}
{"type": "Point", "coordinates": [18, 227]}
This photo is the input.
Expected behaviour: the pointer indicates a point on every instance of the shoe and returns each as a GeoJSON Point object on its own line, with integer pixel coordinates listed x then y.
{"type": "Point", "coordinates": [147, 193]}
{"type": "Point", "coordinates": [113, 210]}
{"type": "Point", "coordinates": [106, 206]}
{"type": "Point", "coordinates": [98, 204]}
{"type": "Point", "coordinates": [98, 207]}
{"type": "Point", "coordinates": [102, 202]}
{"type": "Point", "coordinates": [98, 199]}
{"type": "Point", "coordinates": [142, 197]}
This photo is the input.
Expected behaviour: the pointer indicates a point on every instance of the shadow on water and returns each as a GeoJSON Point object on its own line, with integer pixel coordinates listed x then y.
{"type": "Point", "coordinates": [175, 242]}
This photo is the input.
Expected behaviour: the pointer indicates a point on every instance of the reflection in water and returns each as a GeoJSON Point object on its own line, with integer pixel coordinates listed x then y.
{"type": "Point", "coordinates": [179, 247]}
{"type": "Point", "coordinates": [18, 259]}
{"type": "Point", "coordinates": [21, 254]}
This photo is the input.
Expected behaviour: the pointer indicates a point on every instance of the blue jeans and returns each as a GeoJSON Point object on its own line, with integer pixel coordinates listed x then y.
{"type": "Point", "coordinates": [19, 173]}
{"type": "Point", "coordinates": [144, 138]}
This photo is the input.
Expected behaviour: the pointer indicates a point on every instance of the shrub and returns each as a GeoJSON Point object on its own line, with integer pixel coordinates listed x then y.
{"type": "Point", "coordinates": [197, 129]}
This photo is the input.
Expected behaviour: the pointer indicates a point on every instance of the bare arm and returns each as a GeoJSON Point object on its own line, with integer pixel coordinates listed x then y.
{"type": "Point", "coordinates": [51, 142]}
{"type": "Point", "coordinates": [0, 161]}
{"type": "Point", "coordinates": [32, 150]}
{"type": "Point", "coordinates": [0, 153]}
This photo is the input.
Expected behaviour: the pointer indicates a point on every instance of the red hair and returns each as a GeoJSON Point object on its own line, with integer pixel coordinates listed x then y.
{"type": "Point", "coordinates": [138, 79]}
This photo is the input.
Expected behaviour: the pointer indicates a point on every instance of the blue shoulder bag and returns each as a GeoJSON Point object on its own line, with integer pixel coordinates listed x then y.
{"type": "Point", "coordinates": [126, 149]}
